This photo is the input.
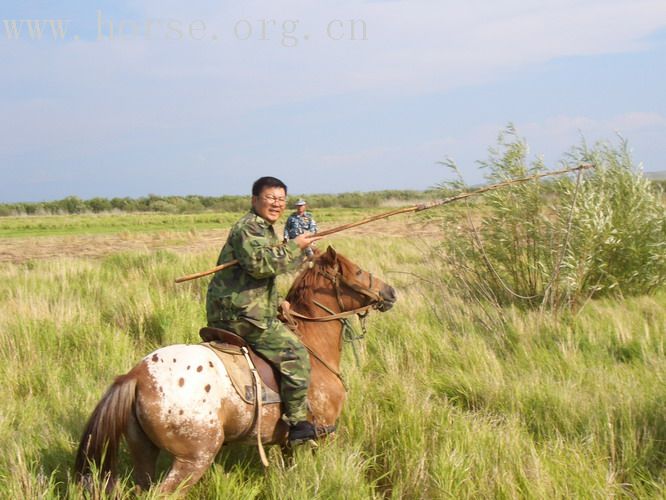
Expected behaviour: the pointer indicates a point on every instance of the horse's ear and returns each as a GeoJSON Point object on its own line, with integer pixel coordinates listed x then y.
{"type": "Point", "coordinates": [330, 251]}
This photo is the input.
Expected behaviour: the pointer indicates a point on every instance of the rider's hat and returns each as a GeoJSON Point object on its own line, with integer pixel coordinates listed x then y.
{"type": "Point", "coordinates": [300, 202]}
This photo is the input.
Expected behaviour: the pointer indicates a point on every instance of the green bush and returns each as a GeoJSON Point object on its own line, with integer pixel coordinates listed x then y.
{"type": "Point", "coordinates": [560, 242]}
{"type": "Point", "coordinates": [71, 205]}
{"type": "Point", "coordinates": [98, 205]}
{"type": "Point", "coordinates": [163, 206]}
{"type": "Point", "coordinates": [619, 226]}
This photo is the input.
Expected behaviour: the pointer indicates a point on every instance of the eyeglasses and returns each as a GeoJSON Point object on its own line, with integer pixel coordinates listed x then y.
{"type": "Point", "coordinates": [275, 201]}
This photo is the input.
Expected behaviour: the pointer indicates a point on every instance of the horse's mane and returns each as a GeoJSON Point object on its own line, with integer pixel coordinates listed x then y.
{"type": "Point", "coordinates": [306, 283]}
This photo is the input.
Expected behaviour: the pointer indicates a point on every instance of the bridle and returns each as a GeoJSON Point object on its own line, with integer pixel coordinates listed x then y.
{"type": "Point", "coordinates": [338, 279]}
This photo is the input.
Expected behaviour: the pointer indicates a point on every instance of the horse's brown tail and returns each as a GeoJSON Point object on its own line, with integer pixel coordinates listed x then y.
{"type": "Point", "coordinates": [104, 430]}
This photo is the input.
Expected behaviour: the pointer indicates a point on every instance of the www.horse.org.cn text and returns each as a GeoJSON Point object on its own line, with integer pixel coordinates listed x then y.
{"type": "Point", "coordinates": [286, 32]}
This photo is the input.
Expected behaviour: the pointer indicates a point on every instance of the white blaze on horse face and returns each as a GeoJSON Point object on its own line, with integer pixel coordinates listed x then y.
{"type": "Point", "coordinates": [192, 383]}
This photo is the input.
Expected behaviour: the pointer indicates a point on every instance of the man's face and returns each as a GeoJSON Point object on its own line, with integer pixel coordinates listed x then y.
{"type": "Point", "coordinates": [301, 209]}
{"type": "Point", "coordinates": [270, 203]}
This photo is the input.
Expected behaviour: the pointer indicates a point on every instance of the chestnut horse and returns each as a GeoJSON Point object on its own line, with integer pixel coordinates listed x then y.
{"type": "Point", "coordinates": [180, 399]}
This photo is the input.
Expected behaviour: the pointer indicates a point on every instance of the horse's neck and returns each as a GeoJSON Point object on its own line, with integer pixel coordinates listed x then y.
{"type": "Point", "coordinates": [324, 297]}
{"type": "Point", "coordinates": [326, 336]}
{"type": "Point", "coordinates": [324, 339]}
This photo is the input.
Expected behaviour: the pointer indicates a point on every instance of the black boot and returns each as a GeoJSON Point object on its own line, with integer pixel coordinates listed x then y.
{"type": "Point", "coordinates": [301, 432]}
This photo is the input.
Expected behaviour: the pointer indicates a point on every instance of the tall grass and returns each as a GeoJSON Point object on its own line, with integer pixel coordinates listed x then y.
{"type": "Point", "coordinates": [448, 400]}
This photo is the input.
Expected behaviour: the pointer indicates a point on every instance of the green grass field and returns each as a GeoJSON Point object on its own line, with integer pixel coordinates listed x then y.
{"type": "Point", "coordinates": [110, 223]}
{"type": "Point", "coordinates": [450, 400]}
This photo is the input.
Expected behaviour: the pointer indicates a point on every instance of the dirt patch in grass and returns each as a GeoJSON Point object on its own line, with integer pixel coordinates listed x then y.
{"type": "Point", "coordinates": [18, 250]}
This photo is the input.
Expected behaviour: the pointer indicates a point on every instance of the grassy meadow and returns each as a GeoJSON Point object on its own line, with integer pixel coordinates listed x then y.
{"type": "Point", "coordinates": [450, 399]}
{"type": "Point", "coordinates": [21, 226]}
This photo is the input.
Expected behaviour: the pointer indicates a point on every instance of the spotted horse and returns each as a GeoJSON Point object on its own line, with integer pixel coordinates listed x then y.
{"type": "Point", "coordinates": [180, 398]}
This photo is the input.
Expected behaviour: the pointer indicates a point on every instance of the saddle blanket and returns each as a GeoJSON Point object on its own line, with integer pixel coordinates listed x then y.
{"type": "Point", "coordinates": [239, 373]}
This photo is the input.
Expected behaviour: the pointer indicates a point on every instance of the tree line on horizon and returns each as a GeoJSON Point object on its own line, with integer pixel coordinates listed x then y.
{"type": "Point", "coordinates": [72, 205]}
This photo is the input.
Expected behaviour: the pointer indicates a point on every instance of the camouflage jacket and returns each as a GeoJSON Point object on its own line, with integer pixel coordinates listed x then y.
{"type": "Point", "coordinates": [247, 291]}
{"type": "Point", "coordinates": [298, 224]}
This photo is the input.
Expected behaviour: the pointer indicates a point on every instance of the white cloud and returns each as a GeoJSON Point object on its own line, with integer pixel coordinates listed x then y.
{"type": "Point", "coordinates": [86, 97]}
{"type": "Point", "coordinates": [549, 138]}
{"type": "Point", "coordinates": [411, 47]}
{"type": "Point", "coordinates": [636, 121]}
{"type": "Point", "coordinates": [566, 128]}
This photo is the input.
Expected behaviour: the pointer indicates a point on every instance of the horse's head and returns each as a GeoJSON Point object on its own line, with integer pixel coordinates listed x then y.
{"type": "Point", "coordinates": [354, 287]}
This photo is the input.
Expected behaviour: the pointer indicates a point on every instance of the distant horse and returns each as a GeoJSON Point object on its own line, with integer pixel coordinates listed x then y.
{"type": "Point", "coordinates": [180, 398]}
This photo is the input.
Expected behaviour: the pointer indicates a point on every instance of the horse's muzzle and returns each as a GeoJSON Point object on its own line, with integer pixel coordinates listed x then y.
{"type": "Point", "coordinates": [388, 295]}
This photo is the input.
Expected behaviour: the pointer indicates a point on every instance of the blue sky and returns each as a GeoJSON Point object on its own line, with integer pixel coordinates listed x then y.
{"type": "Point", "coordinates": [204, 98]}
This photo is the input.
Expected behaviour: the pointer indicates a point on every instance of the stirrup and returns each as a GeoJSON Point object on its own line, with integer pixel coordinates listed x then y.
{"type": "Point", "coordinates": [307, 432]}
{"type": "Point", "coordinates": [301, 432]}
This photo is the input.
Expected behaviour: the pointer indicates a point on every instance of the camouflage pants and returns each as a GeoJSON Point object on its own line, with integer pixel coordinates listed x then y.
{"type": "Point", "coordinates": [278, 345]}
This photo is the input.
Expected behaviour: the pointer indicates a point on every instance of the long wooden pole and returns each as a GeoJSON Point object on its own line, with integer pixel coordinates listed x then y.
{"type": "Point", "coordinates": [405, 210]}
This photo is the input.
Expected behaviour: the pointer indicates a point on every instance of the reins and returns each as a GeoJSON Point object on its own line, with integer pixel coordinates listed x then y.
{"type": "Point", "coordinates": [342, 316]}
{"type": "Point", "coordinates": [336, 279]}
{"type": "Point", "coordinates": [331, 317]}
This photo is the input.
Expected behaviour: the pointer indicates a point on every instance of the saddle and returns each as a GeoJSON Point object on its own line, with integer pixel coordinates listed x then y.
{"type": "Point", "coordinates": [243, 365]}
{"type": "Point", "coordinates": [229, 348]}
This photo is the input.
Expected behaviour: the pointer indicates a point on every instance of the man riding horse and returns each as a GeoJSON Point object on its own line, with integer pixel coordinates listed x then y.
{"type": "Point", "coordinates": [244, 298]}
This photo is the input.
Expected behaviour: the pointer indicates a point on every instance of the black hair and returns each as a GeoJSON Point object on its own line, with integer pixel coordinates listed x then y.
{"type": "Point", "coordinates": [267, 182]}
